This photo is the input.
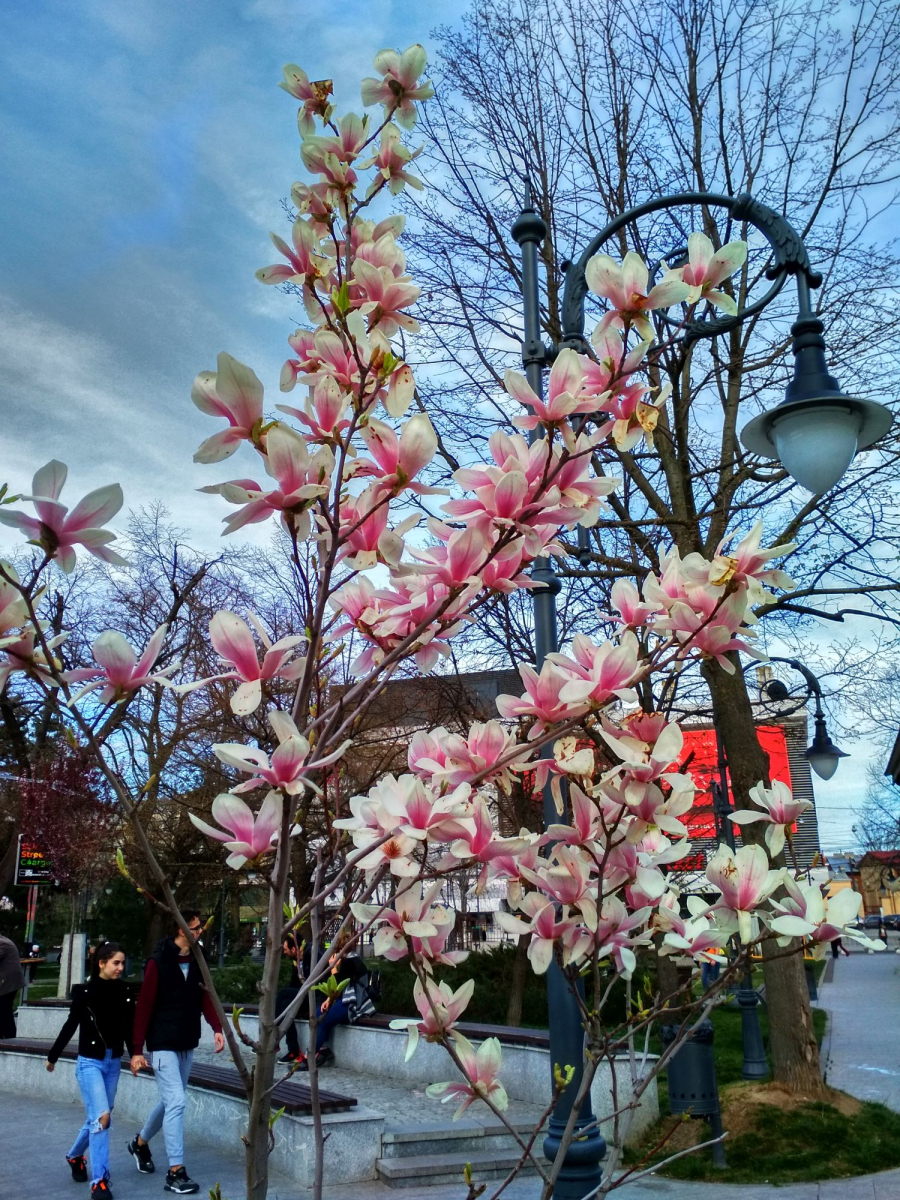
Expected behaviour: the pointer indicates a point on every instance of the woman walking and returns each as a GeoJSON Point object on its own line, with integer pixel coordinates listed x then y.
{"type": "Point", "coordinates": [103, 1013]}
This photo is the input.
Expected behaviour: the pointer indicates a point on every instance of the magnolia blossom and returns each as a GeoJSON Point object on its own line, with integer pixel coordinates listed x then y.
{"type": "Point", "coordinates": [543, 698]}
{"type": "Point", "coordinates": [707, 268]}
{"type": "Point", "coordinates": [234, 392]}
{"type": "Point", "coordinates": [58, 531]}
{"type": "Point", "coordinates": [440, 1008]}
{"type": "Point", "coordinates": [626, 289]}
{"type": "Point", "coordinates": [563, 388]}
{"type": "Point", "coordinates": [543, 926]}
{"type": "Point", "coordinates": [288, 769]}
{"type": "Point", "coordinates": [20, 653]}
{"type": "Point", "coordinates": [233, 642]}
{"type": "Point", "coordinates": [443, 756]}
{"type": "Point", "coordinates": [745, 881]}
{"type": "Point", "coordinates": [248, 837]}
{"type": "Point", "coordinates": [313, 94]}
{"type": "Point", "coordinates": [481, 1070]}
{"type": "Point", "coordinates": [13, 607]}
{"type": "Point", "coordinates": [782, 812]}
{"type": "Point", "coordinates": [399, 460]}
{"type": "Point", "coordinates": [119, 671]}
{"type": "Point", "coordinates": [400, 87]}
{"type": "Point", "coordinates": [804, 912]}
{"type": "Point", "coordinates": [413, 920]}
{"type": "Point", "coordinates": [745, 566]}
{"type": "Point", "coordinates": [697, 938]}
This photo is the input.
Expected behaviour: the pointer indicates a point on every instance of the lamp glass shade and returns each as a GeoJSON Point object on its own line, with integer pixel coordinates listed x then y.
{"type": "Point", "coordinates": [823, 762]}
{"type": "Point", "coordinates": [816, 446]}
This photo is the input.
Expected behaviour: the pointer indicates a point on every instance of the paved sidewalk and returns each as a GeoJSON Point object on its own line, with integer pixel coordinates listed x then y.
{"type": "Point", "coordinates": [863, 1040]}
{"type": "Point", "coordinates": [34, 1137]}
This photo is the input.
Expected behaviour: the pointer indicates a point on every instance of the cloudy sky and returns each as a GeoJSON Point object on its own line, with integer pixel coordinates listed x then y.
{"type": "Point", "coordinates": [144, 152]}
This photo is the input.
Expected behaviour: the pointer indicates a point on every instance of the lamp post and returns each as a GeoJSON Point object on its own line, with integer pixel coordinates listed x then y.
{"type": "Point", "coordinates": [581, 1171]}
{"type": "Point", "coordinates": [816, 431]}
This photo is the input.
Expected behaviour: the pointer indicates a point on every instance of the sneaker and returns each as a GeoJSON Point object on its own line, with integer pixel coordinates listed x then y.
{"type": "Point", "coordinates": [291, 1058]}
{"type": "Point", "coordinates": [101, 1190]}
{"type": "Point", "coordinates": [178, 1181]}
{"type": "Point", "coordinates": [324, 1057]}
{"type": "Point", "coordinates": [143, 1159]}
{"type": "Point", "coordinates": [79, 1168]}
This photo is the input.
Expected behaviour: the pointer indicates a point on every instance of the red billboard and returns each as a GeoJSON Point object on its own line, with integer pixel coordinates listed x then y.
{"type": "Point", "coordinates": [701, 760]}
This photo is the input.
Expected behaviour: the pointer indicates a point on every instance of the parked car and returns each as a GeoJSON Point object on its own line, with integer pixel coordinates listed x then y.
{"type": "Point", "coordinates": [892, 921]}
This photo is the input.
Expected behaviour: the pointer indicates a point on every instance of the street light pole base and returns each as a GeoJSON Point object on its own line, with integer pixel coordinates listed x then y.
{"type": "Point", "coordinates": [756, 1065]}
{"type": "Point", "coordinates": [582, 1170]}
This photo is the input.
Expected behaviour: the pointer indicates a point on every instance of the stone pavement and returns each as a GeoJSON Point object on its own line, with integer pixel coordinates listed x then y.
{"type": "Point", "coordinates": [34, 1137]}
{"type": "Point", "coordinates": [862, 1000]}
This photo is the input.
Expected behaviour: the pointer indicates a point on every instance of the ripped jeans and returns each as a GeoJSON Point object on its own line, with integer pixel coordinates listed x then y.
{"type": "Point", "coordinates": [97, 1079]}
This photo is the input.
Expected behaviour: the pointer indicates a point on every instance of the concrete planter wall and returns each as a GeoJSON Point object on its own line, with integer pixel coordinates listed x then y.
{"type": "Point", "coordinates": [354, 1138]}
{"type": "Point", "coordinates": [380, 1052]}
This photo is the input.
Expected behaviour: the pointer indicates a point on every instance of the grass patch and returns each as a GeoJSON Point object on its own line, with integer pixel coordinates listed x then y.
{"type": "Point", "coordinates": [774, 1137]}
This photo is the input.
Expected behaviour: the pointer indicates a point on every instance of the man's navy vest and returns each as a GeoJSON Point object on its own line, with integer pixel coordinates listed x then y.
{"type": "Point", "coordinates": [175, 1024]}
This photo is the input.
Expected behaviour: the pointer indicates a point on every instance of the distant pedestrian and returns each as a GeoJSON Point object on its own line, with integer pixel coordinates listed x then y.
{"type": "Point", "coordinates": [103, 1013]}
{"type": "Point", "coordinates": [298, 957]}
{"type": "Point", "coordinates": [12, 978]}
{"type": "Point", "coordinates": [838, 947]}
{"type": "Point", "coordinates": [169, 1007]}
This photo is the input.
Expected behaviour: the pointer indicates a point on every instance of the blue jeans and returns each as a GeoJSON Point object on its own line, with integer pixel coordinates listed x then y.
{"type": "Point", "coordinates": [337, 1013]}
{"type": "Point", "coordinates": [171, 1068]}
{"type": "Point", "coordinates": [97, 1079]}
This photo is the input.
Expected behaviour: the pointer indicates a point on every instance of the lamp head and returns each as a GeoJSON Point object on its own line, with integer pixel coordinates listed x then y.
{"type": "Point", "coordinates": [822, 754]}
{"type": "Point", "coordinates": [816, 430]}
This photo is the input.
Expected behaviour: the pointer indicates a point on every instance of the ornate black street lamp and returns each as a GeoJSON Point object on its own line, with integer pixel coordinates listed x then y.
{"type": "Point", "coordinates": [822, 754]}
{"type": "Point", "coordinates": [816, 432]}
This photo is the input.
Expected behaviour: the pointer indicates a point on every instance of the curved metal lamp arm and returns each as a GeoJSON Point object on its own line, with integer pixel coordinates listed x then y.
{"type": "Point", "coordinates": [790, 253]}
{"type": "Point", "coordinates": [812, 683]}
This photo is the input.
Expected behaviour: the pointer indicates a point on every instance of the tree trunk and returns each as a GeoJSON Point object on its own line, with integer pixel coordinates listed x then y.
{"type": "Point", "coordinates": [257, 1141]}
{"type": "Point", "coordinates": [517, 982]}
{"type": "Point", "coordinates": [795, 1054]}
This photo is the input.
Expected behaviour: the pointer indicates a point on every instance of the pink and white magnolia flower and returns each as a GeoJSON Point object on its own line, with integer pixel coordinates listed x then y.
{"type": "Point", "coordinates": [301, 480]}
{"type": "Point", "coordinates": [543, 698]}
{"type": "Point", "coordinates": [781, 812]}
{"type": "Point", "coordinates": [745, 566]}
{"type": "Point", "coordinates": [392, 161]}
{"type": "Point", "coordinates": [563, 389]}
{"type": "Point", "coordinates": [745, 881]}
{"type": "Point", "coordinates": [233, 642]}
{"type": "Point", "coordinates": [707, 268]}
{"type": "Point", "coordinates": [481, 1070]}
{"type": "Point", "coordinates": [58, 531]}
{"type": "Point", "coordinates": [439, 1007]}
{"type": "Point", "coordinates": [20, 653]}
{"type": "Point", "coordinates": [625, 287]}
{"type": "Point", "coordinates": [626, 600]}
{"type": "Point", "coordinates": [323, 412]}
{"type": "Point", "coordinates": [313, 94]}
{"type": "Point", "coordinates": [288, 768]}
{"type": "Point", "coordinates": [443, 756]}
{"type": "Point", "coordinates": [698, 939]}
{"type": "Point", "coordinates": [248, 836]}
{"type": "Point", "coordinates": [617, 933]}
{"type": "Point", "coordinates": [119, 671]}
{"type": "Point", "coordinates": [400, 87]}
{"type": "Point", "coordinates": [234, 392]}
{"type": "Point", "coordinates": [13, 609]}
{"type": "Point", "coordinates": [305, 261]}
{"type": "Point", "coordinates": [804, 912]}
{"type": "Point", "coordinates": [399, 460]}
{"type": "Point", "coordinates": [413, 919]}
{"type": "Point", "coordinates": [598, 673]}
{"type": "Point", "coordinates": [542, 924]}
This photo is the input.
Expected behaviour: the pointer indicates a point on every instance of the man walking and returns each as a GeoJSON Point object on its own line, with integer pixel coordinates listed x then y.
{"type": "Point", "coordinates": [12, 977]}
{"type": "Point", "coordinates": [167, 1017]}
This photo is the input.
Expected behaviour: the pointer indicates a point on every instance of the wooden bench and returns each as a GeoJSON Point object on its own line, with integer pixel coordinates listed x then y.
{"type": "Point", "coordinates": [292, 1095]}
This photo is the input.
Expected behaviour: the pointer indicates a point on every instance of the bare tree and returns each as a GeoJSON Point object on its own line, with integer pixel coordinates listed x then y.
{"type": "Point", "coordinates": [601, 106]}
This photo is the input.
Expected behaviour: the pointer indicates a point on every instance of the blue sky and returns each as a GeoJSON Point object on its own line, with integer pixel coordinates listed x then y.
{"type": "Point", "coordinates": [144, 151]}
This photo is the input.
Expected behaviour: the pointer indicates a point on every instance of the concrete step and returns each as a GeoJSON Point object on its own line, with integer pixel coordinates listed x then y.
{"type": "Point", "coordinates": [430, 1169]}
{"type": "Point", "coordinates": [463, 1137]}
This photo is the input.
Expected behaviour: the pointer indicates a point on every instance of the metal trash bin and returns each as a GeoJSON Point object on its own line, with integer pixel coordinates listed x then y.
{"type": "Point", "coordinates": [692, 1079]}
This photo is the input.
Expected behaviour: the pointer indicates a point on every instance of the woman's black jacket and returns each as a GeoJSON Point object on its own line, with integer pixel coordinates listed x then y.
{"type": "Point", "coordinates": [103, 1013]}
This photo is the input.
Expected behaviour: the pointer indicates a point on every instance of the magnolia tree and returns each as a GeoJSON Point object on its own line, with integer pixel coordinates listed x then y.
{"type": "Point", "coordinates": [339, 469]}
